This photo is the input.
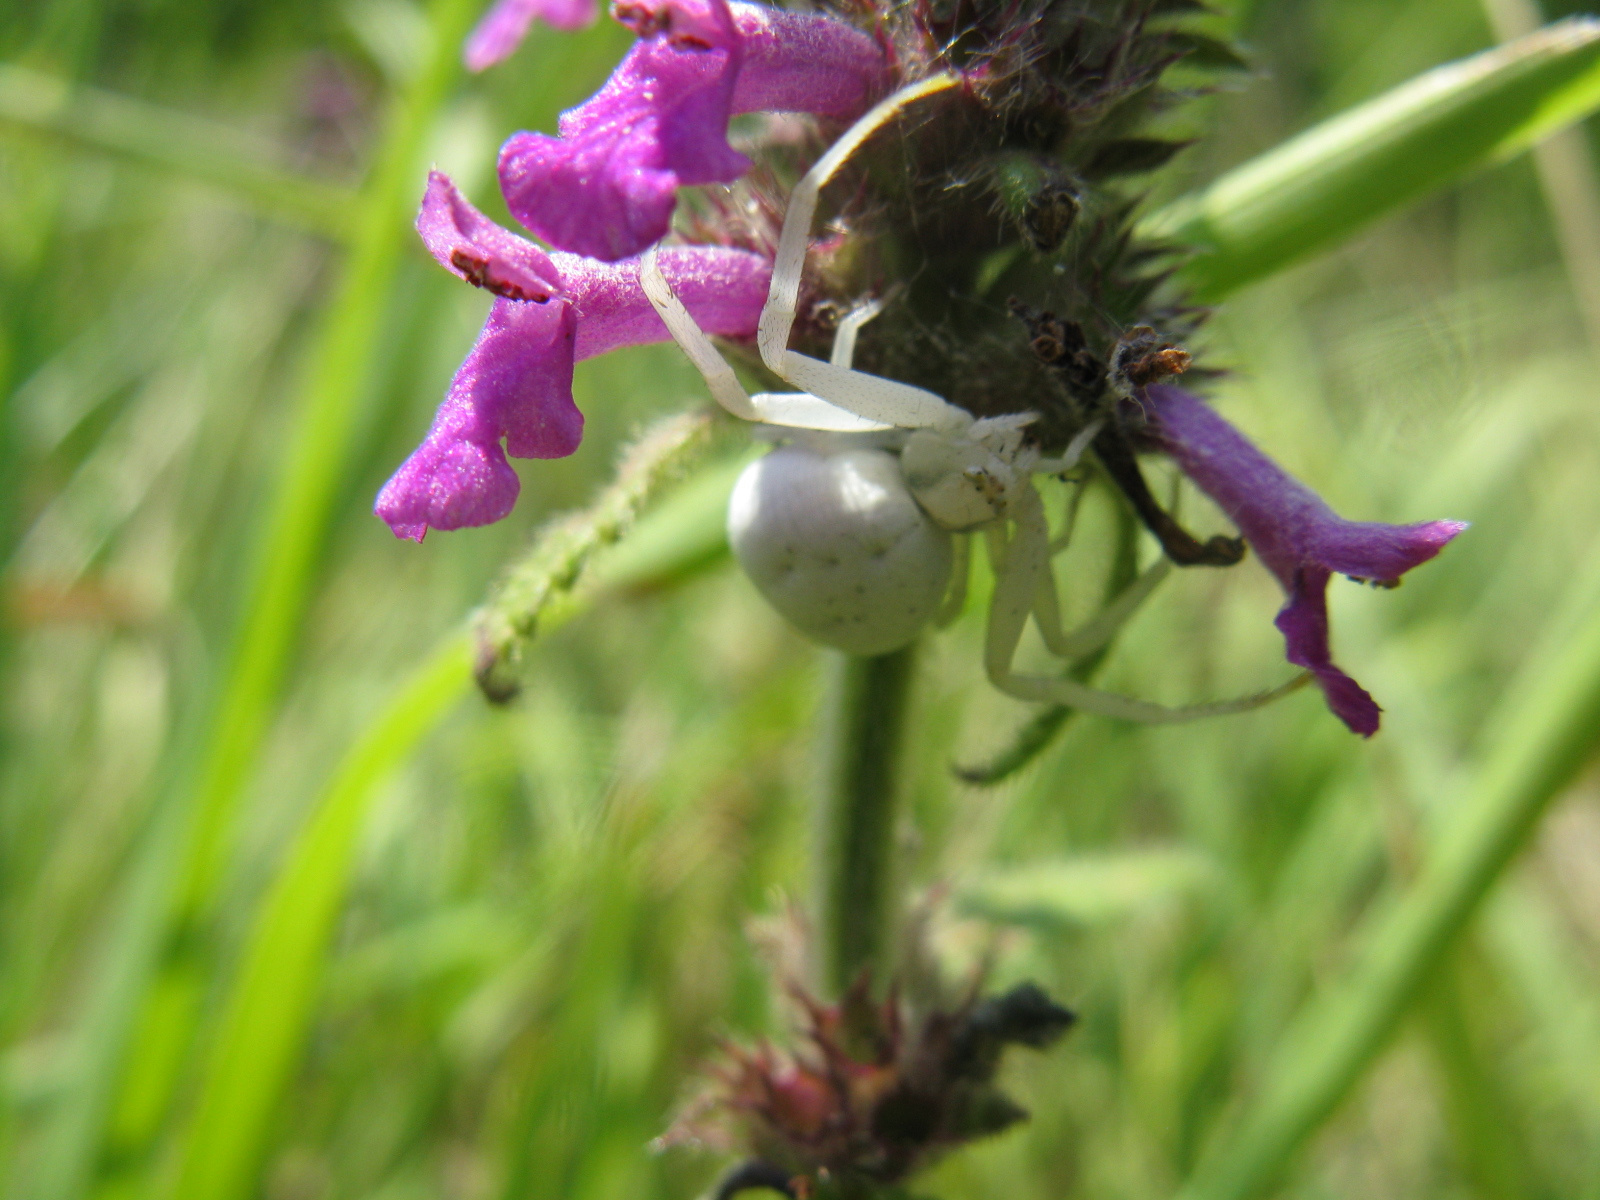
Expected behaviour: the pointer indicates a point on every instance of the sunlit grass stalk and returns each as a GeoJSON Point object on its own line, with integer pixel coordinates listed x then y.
{"type": "Point", "coordinates": [865, 714]}
{"type": "Point", "coordinates": [269, 1010]}
{"type": "Point", "coordinates": [321, 432]}
{"type": "Point", "coordinates": [1543, 733]}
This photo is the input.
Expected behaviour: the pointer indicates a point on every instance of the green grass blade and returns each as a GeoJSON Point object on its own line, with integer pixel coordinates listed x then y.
{"type": "Point", "coordinates": [1544, 731]}
{"type": "Point", "coordinates": [269, 1011]}
{"type": "Point", "coordinates": [1484, 1123]}
{"type": "Point", "coordinates": [173, 143]}
{"type": "Point", "coordinates": [316, 453]}
{"type": "Point", "coordinates": [1087, 890]}
{"type": "Point", "coordinates": [317, 446]}
{"type": "Point", "coordinates": [1313, 191]}
{"type": "Point", "coordinates": [103, 1029]}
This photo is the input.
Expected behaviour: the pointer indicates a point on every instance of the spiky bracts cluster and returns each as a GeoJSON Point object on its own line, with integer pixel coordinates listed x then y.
{"type": "Point", "coordinates": [875, 1091]}
{"type": "Point", "coordinates": [1014, 195]}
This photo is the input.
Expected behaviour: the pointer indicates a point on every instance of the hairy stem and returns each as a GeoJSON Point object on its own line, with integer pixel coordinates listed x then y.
{"type": "Point", "coordinates": [866, 711]}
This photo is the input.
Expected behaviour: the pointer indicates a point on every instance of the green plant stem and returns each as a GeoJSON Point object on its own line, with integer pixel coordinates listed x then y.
{"type": "Point", "coordinates": [867, 705]}
{"type": "Point", "coordinates": [1545, 730]}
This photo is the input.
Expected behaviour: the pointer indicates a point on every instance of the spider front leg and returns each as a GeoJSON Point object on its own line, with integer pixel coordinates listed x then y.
{"type": "Point", "coordinates": [870, 396]}
{"type": "Point", "coordinates": [1019, 577]}
{"type": "Point", "coordinates": [798, 411]}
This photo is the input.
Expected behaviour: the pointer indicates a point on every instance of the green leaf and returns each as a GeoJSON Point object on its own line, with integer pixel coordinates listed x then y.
{"type": "Point", "coordinates": [1316, 189]}
{"type": "Point", "coordinates": [167, 976]}
{"type": "Point", "coordinates": [1545, 730]}
{"type": "Point", "coordinates": [1087, 890]}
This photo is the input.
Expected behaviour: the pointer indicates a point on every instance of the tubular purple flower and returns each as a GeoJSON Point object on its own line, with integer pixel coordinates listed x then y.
{"type": "Point", "coordinates": [516, 384]}
{"type": "Point", "coordinates": [507, 22]}
{"type": "Point", "coordinates": [607, 186]}
{"type": "Point", "coordinates": [1300, 539]}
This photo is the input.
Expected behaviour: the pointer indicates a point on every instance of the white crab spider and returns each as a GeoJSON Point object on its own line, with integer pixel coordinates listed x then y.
{"type": "Point", "coordinates": [853, 542]}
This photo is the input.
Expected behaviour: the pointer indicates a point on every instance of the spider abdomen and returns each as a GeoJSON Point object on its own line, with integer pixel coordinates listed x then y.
{"type": "Point", "coordinates": [837, 545]}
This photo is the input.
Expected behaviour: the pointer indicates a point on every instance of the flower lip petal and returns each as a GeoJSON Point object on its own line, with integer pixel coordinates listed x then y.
{"type": "Point", "coordinates": [1299, 538]}
{"type": "Point", "coordinates": [448, 484]}
{"type": "Point", "coordinates": [507, 22]}
{"type": "Point", "coordinates": [470, 245]}
{"type": "Point", "coordinates": [515, 385]}
{"type": "Point", "coordinates": [1303, 621]}
{"type": "Point", "coordinates": [607, 186]}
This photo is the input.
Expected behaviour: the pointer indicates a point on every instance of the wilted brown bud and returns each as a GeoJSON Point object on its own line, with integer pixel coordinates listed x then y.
{"type": "Point", "coordinates": [873, 1092]}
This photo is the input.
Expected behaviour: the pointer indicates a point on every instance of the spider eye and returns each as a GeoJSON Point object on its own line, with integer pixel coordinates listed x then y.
{"type": "Point", "coordinates": [954, 481]}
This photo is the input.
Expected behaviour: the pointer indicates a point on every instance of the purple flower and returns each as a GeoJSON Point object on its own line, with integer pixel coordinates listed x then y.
{"type": "Point", "coordinates": [1300, 539]}
{"type": "Point", "coordinates": [516, 383]}
{"type": "Point", "coordinates": [506, 23]}
{"type": "Point", "coordinates": [608, 185]}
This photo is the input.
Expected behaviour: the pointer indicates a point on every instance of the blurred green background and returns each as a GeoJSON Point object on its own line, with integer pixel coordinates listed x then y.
{"type": "Point", "coordinates": [206, 331]}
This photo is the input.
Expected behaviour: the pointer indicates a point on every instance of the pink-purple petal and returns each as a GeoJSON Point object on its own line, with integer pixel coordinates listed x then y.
{"type": "Point", "coordinates": [515, 384]}
{"type": "Point", "coordinates": [471, 246]}
{"type": "Point", "coordinates": [723, 289]}
{"type": "Point", "coordinates": [1303, 621]}
{"type": "Point", "coordinates": [804, 62]}
{"type": "Point", "coordinates": [1299, 538]}
{"type": "Point", "coordinates": [507, 22]}
{"type": "Point", "coordinates": [607, 186]}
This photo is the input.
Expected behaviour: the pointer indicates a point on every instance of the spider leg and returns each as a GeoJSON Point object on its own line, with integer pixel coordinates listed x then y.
{"type": "Point", "coordinates": [844, 339]}
{"type": "Point", "coordinates": [1017, 583]}
{"type": "Point", "coordinates": [877, 399]}
{"type": "Point", "coordinates": [1073, 454]}
{"type": "Point", "coordinates": [1069, 520]}
{"type": "Point", "coordinates": [960, 570]}
{"type": "Point", "coordinates": [798, 411]}
{"type": "Point", "coordinates": [1101, 627]}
